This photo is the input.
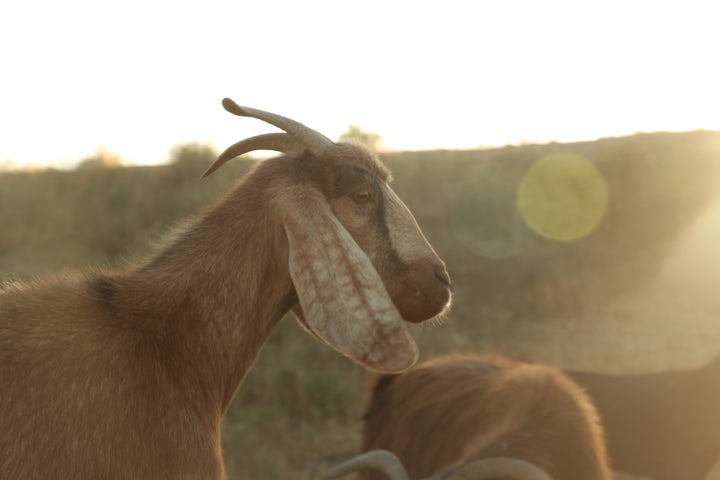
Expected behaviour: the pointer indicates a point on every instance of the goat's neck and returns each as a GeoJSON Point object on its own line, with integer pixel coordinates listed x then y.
{"type": "Point", "coordinates": [214, 294]}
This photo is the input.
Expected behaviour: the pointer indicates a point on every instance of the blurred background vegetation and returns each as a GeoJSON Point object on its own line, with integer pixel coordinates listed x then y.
{"type": "Point", "coordinates": [636, 292]}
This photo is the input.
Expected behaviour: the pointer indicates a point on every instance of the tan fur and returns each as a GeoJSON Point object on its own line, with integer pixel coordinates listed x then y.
{"type": "Point", "coordinates": [454, 409]}
{"type": "Point", "coordinates": [126, 374]}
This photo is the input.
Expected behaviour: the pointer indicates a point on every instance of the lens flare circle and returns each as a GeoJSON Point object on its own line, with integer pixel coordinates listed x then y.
{"type": "Point", "coordinates": [562, 197]}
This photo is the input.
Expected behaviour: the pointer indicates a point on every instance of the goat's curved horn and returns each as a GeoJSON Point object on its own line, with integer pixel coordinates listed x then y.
{"type": "Point", "coordinates": [500, 467]}
{"type": "Point", "coordinates": [278, 142]}
{"type": "Point", "coordinates": [313, 140]}
{"type": "Point", "coordinates": [381, 460]}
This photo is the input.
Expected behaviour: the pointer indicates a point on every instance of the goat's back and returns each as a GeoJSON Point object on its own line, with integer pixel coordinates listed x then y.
{"type": "Point", "coordinates": [458, 408]}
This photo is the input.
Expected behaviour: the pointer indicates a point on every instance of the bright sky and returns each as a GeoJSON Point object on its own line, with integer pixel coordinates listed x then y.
{"type": "Point", "coordinates": [139, 76]}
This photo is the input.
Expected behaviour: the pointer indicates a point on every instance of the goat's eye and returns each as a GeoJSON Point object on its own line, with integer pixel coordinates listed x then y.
{"type": "Point", "coordinates": [361, 197]}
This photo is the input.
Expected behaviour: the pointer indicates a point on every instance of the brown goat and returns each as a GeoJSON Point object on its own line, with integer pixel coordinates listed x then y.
{"type": "Point", "coordinates": [444, 416]}
{"type": "Point", "coordinates": [126, 374]}
{"type": "Point", "coordinates": [665, 426]}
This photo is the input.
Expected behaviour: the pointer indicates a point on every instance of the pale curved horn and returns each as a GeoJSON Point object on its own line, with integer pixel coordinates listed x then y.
{"type": "Point", "coordinates": [381, 460]}
{"type": "Point", "coordinates": [313, 140]}
{"type": "Point", "coordinates": [500, 467]}
{"type": "Point", "coordinates": [277, 142]}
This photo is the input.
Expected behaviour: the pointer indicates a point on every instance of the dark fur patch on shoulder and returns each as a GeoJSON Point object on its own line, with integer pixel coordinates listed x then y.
{"type": "Point", "coordinates": [103, 290]}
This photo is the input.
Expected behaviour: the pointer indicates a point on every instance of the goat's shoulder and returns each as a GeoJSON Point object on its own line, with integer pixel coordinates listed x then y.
{"type": "Point", "coordinates": [46, 312]}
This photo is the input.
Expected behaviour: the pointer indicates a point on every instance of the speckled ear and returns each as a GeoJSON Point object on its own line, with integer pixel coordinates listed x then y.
{"type": "Point", "coordinates": [343, 299]}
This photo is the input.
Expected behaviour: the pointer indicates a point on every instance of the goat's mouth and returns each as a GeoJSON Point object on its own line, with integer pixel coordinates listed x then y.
{"type": "Point", "coordinates": [418, 304]}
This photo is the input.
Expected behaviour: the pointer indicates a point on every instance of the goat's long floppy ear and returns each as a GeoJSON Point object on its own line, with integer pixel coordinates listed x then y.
{"type": "Point", "coordinates": [342, 297]}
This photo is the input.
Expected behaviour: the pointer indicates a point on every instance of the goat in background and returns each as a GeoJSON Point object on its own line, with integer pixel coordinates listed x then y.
{"type": "Point", "coordinates": [480, 417]}
{"type": "Point", "coordinates": [126, 374]}
{"type": "Point", "coordinates": [665, 425]}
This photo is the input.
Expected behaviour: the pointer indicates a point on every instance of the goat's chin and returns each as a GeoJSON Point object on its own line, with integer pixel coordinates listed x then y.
{"type": "Point", "coordinates": [417, 305]}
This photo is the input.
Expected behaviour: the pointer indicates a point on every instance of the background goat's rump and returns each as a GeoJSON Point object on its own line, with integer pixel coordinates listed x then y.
{"type": "Point", "coordinates": [454, 409]}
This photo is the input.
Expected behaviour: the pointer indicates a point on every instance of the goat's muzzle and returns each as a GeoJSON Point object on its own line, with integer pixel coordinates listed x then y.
{"type": "Point", "coordinates": [422, 293]}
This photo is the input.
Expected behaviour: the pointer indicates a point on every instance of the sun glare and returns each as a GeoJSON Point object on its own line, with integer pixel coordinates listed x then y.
{"type": "Point", "coordinates": [562, 197]}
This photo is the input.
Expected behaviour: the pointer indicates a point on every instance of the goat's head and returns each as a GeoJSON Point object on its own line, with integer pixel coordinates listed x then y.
{"type": "Point", "coordinates": [488, 468]}
{"type": "Point", "coordinates": [357, 258]}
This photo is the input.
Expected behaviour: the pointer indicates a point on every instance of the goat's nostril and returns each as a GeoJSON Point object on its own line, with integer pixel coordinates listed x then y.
{"type": "Point", "coordinates": [443, 277]}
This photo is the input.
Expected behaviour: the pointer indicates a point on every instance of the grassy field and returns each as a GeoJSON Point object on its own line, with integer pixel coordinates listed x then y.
{"type": "Point", "coordinates": [635, 292]}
